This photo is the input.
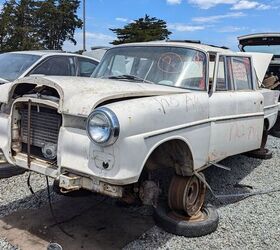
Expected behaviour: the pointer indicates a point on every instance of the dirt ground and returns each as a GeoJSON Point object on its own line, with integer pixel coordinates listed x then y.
{"type": "Point", "coordinates": [88, 222]}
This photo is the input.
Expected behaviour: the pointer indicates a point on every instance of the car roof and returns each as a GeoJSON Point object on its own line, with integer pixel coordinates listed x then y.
{"type": "Point", "coordinates": [259, 35]}
{"type": "Point", "coordinates": [96, 54]}
{"type": "Point", "coordinates": [50, 53]}
{"type": "Point", "coordinates": [195, 45]}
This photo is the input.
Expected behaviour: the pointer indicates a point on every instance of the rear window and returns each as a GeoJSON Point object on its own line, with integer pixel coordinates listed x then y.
{"type": "Point", "coordinates": [241, 72]}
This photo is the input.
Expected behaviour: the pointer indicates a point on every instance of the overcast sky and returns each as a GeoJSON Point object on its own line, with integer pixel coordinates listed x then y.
{"type": "Point", "coordinates": [216, 22]}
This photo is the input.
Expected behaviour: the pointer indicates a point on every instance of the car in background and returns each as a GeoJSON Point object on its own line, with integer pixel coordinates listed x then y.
{"type": "Point", "coordinates": [96, 52]}
{"type": "Point", "coordinates": [266, 43]}
{"type": "Point", "coordinates": [16, 65]}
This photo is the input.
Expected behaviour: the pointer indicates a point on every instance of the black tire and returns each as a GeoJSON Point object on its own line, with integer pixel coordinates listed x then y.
{"type": "Point", "coordinates": [7, 170]}
{"type": "Point", "coordinates": [275, 131]}
{"type": "Point", "coordinates": [263, 154]}
{"type": "Point", "coordinates": [186, 228]}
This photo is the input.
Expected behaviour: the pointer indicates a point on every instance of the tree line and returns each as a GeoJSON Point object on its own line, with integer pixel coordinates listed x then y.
{"type": "Point", "coordinates": [47, 24]}
{"type": "Point", "coordinates": [38, 24]}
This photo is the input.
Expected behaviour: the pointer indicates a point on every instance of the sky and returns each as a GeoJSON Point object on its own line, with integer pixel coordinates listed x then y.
{"type": "Point", "coordinates": [217, 22]}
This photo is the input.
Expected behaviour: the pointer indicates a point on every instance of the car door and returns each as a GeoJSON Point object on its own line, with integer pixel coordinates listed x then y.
{"type": "Point", "coordinates": [59, 65]}
{"type": "Point", "coordinates": [236, 108]}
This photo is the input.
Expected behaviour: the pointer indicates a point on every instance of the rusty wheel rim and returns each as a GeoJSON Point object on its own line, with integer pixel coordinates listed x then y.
{"type": "Point", "coordinates": [186, 195]}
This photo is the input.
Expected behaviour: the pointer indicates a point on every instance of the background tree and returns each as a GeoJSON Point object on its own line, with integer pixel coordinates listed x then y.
{"type": "Point", "coordinates": [57, 21]}
{"type": "Point", "coordinates": [142, 30]}
{"type": "Point", "coordinates": [38, 24]}
{"type": "Point", "coordinates": [5, 28]}
{"type": "Point", "coordinates": [22, 34]}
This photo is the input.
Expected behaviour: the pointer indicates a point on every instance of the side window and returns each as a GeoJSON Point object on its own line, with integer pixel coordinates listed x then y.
{"type": "Point", "coordinates": [86, 66]}
{"type": "Point", "coordinates": [56, 66]}
{"type": "Point", "coordinates": [222, 84]}
{"type": "Point", "coordinates": [241, 72]}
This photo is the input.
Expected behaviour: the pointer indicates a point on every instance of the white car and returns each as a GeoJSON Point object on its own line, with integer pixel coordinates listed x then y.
{"type": "Point", "coordinates": [16, 65]}
{"type": "Point", "coordinates": [152, 107]}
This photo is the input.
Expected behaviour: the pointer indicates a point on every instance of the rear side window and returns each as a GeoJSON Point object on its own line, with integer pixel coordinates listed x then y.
{"type": "Point", "coordinates": [241, 72]}
{"type": "Point", "coordinates": [222, 84]}
{"type": "Point", "coordinates": [56, 66]}
{"type": "Point", "coordinates": [86, 66]}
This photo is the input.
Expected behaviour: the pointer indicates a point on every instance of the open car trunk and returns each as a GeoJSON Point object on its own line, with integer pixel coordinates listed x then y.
{"type": "Point", "coordinates": [266, 43]}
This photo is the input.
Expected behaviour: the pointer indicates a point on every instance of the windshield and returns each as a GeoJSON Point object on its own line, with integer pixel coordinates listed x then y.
{"type": "Point", "coordinates": [272, 49]}
{"type": "Point", "coordinates": [13, 65]}
{"type": "Point", "coordinates": [172, 66]}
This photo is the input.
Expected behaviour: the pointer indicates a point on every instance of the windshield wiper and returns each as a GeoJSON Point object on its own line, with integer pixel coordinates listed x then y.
{"type": "Point", "coordinates": [129, 77]}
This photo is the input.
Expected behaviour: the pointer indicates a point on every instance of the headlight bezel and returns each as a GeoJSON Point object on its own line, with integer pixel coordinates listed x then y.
{"type": "Point", "coordinates": [114, 126]}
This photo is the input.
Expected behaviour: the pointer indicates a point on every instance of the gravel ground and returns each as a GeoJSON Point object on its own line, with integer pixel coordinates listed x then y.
{"type": "Point", "coordinates": [15, 195]}
{"type": "Point", "coordinates": [252, 223]}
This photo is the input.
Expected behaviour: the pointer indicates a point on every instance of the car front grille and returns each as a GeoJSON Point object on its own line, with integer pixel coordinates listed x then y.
{"type": "Point", "coordinates": [44, 125]}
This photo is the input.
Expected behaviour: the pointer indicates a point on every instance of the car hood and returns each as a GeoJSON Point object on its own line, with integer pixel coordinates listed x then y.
{"type": "Point", "coordinates": [79, 96]}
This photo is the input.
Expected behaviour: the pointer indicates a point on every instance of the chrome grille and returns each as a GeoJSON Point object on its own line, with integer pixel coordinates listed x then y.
{"type": "Point", "coordinates": [45, 124]}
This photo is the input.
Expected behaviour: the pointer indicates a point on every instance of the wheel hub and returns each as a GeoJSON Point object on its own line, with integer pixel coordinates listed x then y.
{"type": "Point", "coordinates": [186, 195]}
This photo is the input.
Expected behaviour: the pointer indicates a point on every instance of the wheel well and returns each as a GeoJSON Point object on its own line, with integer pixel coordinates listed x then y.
{"type": "Point", "coordinates": [266, 124]}
{"type": "Point", "coordinates": [174, 153]}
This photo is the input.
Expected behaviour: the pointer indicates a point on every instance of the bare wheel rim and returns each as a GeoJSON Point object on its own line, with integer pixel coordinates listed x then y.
{"type": "Point", "coordinates": [186, 194]}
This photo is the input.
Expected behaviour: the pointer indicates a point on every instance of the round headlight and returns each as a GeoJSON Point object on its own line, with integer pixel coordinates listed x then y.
{"type": "Point", "coordinates": [103, 126]}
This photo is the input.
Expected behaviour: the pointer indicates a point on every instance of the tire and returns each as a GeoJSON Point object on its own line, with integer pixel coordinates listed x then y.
{"type": "Point", "coordinates": [7, 170]}
{"type": "Point", "coordinates": [263, 154]}
{"type": "Point", "coordinates": [275, 131]}
{"type": "Point", "coordinates": [186, 228]}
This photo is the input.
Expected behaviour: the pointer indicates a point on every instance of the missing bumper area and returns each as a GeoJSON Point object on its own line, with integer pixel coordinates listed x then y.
{"type": "Point", "coordinates": [70, 182]}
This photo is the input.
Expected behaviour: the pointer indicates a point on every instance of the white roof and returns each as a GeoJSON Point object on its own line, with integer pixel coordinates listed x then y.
{"type": "Point", "coordinates": [203, 47]}
{"type": "Point", "coordinates": [48, 53]}
{"type": "Point", "coordinates": [259, 35]}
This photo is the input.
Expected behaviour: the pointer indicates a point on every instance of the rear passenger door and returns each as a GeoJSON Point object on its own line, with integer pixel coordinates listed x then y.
{"type": "Point", "coordinates": [236, 108]}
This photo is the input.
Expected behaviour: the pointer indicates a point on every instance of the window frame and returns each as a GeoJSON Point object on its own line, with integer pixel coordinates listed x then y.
{"type": "Point", "coordinates": [47, 58]}
{"type": "Point", "coordinates": [229, 75]}
{"type": "Point", "coordinates": [233, 80]}
{"type": "Point", "coordinates": [206, 67]}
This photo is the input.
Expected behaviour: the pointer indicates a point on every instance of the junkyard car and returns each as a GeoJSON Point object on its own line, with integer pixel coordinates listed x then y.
{"type": "Point", "coordinates": [153, 106]}
{"type": "Point", "coordinates": [266, 43]}
{"type": "Point", "coordinates": [15, 65]}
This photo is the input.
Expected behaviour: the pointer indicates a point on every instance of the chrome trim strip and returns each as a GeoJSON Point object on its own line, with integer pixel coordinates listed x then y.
{"type": "Point", "coordinates": [194, 124]}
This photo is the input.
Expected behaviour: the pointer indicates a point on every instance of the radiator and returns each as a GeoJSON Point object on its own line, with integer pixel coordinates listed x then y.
{"type": "Point", "coordinates": [45, 124]}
